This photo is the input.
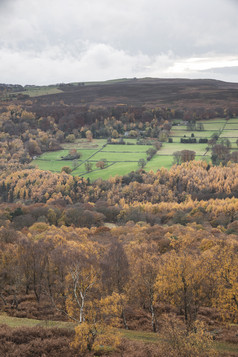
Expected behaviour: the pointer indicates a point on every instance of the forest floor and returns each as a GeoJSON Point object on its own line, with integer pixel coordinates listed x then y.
{"type": "Point", "coordinates": [223, 347]}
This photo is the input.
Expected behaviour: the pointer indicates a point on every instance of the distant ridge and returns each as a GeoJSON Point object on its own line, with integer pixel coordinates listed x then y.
{"type": "Point", "coordinates": [171, 92]}
{"type": "Point", "coordinates": [147, 91]}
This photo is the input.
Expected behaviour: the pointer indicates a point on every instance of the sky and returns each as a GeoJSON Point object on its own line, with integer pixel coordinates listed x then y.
{"type": "Point", "coordinates": [57, 41]}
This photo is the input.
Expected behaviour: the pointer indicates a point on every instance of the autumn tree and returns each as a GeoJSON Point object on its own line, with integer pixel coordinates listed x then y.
{"type": "Point", "coordinates": [88, 166]}
{"type": "Point", "coordinates": [70, 138]}
{"type": "Point", "coordinates": [101, 164]}
{"type": "Point", "coordinates": [150, 153]}
{"type": "Point", "coordinates": [179, 342]}
{"type": "Point", "coordinates": [141, 163]}
{"type": "Point", "coordinates": [225, 259]}
{"type": "Point", "coordinates": [84, 303]}
{"type": "Point", "coordinates": [226, 142]}
{"type": "Point", "coordinates": [234, 156]}
{"type": "Point", "coordinates": [200, 127]}
{"type": "Point", "coordinates": [191, 125]}
{"type": "Point", "coordinates": [163, 135]}
{"type": "Point", "coordinates": [133, 133]}
{"type": "Point", "coordinates": [66, 169]}
{"type": "Point", "coordinates": [75, 164]}
{"type": "Point", "coordinates": [33, 147]}
{"type": "Point", "coordinates": [183, 156]}
{"type": "Point", "coordinates": [115, 273]}
{"type": "Point", "coordinates": [187, 155]}
{"type": "Point", "coordinates": [220, 154]}
{"type": "Point", "coordinates": [75, 265]}
{"type": "Point", "coordinates": [177, 157]}
{"type": "Point", "coordinates": [96, 334]}
{"type": "Point", "coordinates": [178, 281]}
{"type": "Point", "coordinates": [32, 255]}
{"type": "Point", "coordinates": [144, 269]}
{"type": "Point", "coordinates": [10, 277]}
{"type": "Point", "coordinates": [89, 135]}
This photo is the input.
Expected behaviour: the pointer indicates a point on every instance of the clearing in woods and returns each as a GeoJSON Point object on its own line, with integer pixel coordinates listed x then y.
{"type": "Point", "coordinates": [122, 159]}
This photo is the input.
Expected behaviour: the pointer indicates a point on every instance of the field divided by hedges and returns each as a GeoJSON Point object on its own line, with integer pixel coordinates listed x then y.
{"type": "Point", "coordinates": [122, 159]}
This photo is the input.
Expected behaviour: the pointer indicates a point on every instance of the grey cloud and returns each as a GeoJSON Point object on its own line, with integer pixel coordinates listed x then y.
{"type": "Point", "coordinates": [228, 74]}
{"type": "Point", "coordinates": [61, 31]}
{"type": "Point", "coordinates": [147, 26]}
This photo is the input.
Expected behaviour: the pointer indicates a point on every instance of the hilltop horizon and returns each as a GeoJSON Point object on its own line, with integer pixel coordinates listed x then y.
{"type": "Point", "coordinates": [114, 80]}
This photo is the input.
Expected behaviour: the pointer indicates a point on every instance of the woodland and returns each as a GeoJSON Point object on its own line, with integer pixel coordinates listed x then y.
{"type": "Point", "coordinates": [142, 264]}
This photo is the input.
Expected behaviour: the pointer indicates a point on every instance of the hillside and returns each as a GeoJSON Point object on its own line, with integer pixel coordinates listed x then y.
{"type": "Point", "coordinates": [168, 92]}
{"type": "Point", "coordinates": [118, 212]}
{"type": "Point", "coordinates": [145, 91]}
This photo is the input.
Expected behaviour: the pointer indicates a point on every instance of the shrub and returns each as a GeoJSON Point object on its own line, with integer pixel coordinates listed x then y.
{"type": "Point", "coordinates": [182, 343]}
{"type": "Point", "coordinates": [66, 169]}
{"type": "Point", "coordinates": [37, 341]}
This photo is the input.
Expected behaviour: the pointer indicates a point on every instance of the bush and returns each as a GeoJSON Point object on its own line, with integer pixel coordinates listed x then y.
{"type": "Point", "coordinates": [203, 140]}
{"type": "Point", "coordinates": [188, 141]}
{"type": "Point", "coordinates": [37, 341]}
{"type": "Point", "coordinates": [72, 155]}
{"type": "Point", "coordinates": [66, 169]}
{"type": "Point", "coordinates": [179, 342]}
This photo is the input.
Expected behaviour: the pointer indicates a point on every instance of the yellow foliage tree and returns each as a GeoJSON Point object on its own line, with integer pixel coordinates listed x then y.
{"type": "Point", "coordinates": [226, 275]}
{"type": "Point", "coordinates": [96, 332]}
{"type": "Point", "coordinates": [177, 342]}
{"type": "Point", "coordinates": [179, 282]}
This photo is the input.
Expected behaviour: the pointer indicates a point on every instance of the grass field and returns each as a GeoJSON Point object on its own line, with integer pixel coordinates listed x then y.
{"type": "Point", "coordinates": [52, 165]}
{"type": "Point", "coordinates": [44, 90]}
{"type": "Point", "coordinates": [119, 156]}
{"type": "Point", "coordinates": [84, 144]}
{"type": "Point", "coordinates": [169, 149]}
{"type": "Point", "coordinates": [197, 134]}
{"type": "Point", "coordinates": [113, 170]}
{"type": "Point", "coordinates": [231, 126]}
{"type": "Point", "coordinates": [24, 322]}
{"type": "Point", "coordinates": [123, 159]}
{"type": "Point", "coordinates": [229, 134]}
{"type": "Point", "coordinates": [127, 148]}
{"type": "Point", "coordinates": [143, 336]}
{"type": "Point", "coordinates": [159, 161]}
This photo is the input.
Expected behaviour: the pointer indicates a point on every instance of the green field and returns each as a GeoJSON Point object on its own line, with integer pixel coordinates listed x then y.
{"type": "Point", "coordinates": [127, 148]}
{"type": "Point", "coordinates": [36, 91]}
{"type": "Point", "coordinates": [231, 126]}
{"type": "Point", "coordinates": [169, 149]}
{"type": "Point", "coordinates": [159, 161]}
{"type": "Point", "coordinates": [229, 134]}
{"type": "Point", "coordinates": [119, 156]}
{"type": "Point", "coordinates": [52, 165]}
{"type": "Point", "coordinates": [123, 159]}
{"type": "Point", "coordinates": [84, 144]}
{"type": "Point", "coordinates": [197, 134]}
{"type": "Point", "coordinates": [113, 170]}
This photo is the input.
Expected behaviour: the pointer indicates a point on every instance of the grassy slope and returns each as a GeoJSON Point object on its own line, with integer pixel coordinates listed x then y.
{"type": "Point", "coordinates": [18, 322]}
{"type": "Point", "coordinates": [158, 162]}
{"type": "Point", "coordinates": [127, 148]}
{"type": "Point", "coordinates": [146, 337]}
{"type": "Point", "coordinates": [169, 149]}
{"type": "Point", "coordinates": [44, 90]}
{"type": "Point", "coordinates": [122, 168]}
{"type": "Point", "coordinates": [54, 166]}
{"type": "Point", "coordinates": [118, 156]}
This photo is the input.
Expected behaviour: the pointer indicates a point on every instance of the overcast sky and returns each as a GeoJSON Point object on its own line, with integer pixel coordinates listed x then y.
{"type": "Point", "coordinates": [54, 41]}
